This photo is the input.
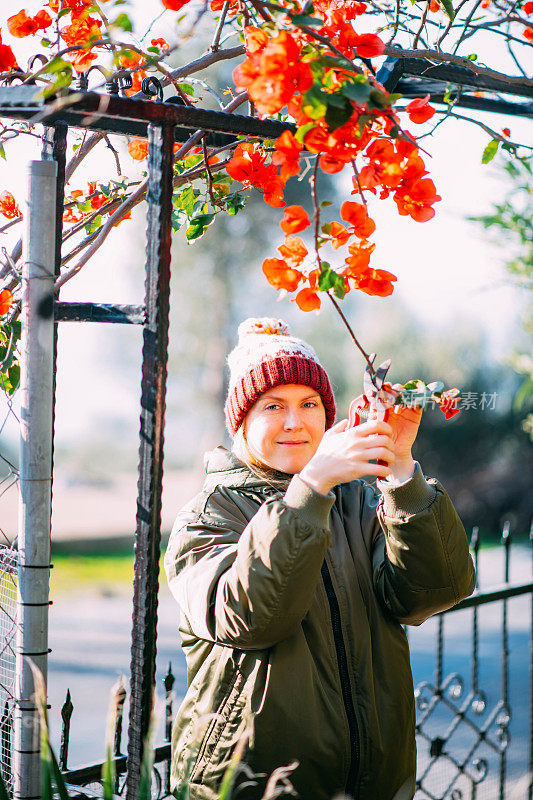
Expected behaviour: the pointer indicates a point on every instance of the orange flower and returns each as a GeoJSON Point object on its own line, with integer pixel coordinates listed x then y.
{"type": "Point", "coordinates": [293, 250]}
{"type": "Point", "coordinates": [448, 402]}
{"type": "Point", "coordinates": [82, 59]}
{"type": "Point", "coordinates": [273, 187]}
{"type": "Point", "coordinates": [307, 300]}
{"type": "Point", "coordinates": [130, 59]}
{"type": "Point", "coordinates": [272, 75]}
{"type": "Point", "coordinates": [528, 34]}
{"type": "Point", "coordinates": [174, 5]}
{"type": "Point", "coordinates": [356, 215]}
{"type": "Point", "coordinates": [162, 44]}
{"type": "Point", "coordinates": [416, 200]}
{"type": "Point", "coordinates": [434, 6]}
{"type": "Point", "coordinates": [506, 131]}
{"type": "Point", "coordinates": [6, 299]}
{"type": "Point", "coordinates": [255, 39]}
{"type": "Point", "coordinates": [358, 260]}
{"type": "Point", "coordinates": [218, 5]}
{"type": "Point", "coordinates": [280, 275]}
{"type": "Point", "coordinates": [138, 149]}
{"type": "Point", "coordinates": [8, 206]}
{"type": "Point", "coordinates": [7, 57]}
{"type": "Point", "coordinates": [294, 220]}
{"type": "Point", "coordinates": [75, 5]}
{"type": "Point", "coordinates": [376, 282]}
{"type": "Point", "coordinates": [527, 8]}
{"type": "Point", "coordinates": [43, 20]}
{"type": "Point", "coordinates": [330, 164]}
{"type": "Point", "coordinates": [98, 201]}
{"type": "Point", "coordinates": [82, 29]}
{"type": "Point", "coordinates": [287, 155]}
{"type": "Point", "coordinates": [21, 25]}
{"type": "Point", "coordinates": [72, 215]}
{"type": "Point", "coordinates": [419, 110]}
{"type": "Point", "coordinates": [368, 45]}
{"type": "Point", "coordinates": [339, 235]}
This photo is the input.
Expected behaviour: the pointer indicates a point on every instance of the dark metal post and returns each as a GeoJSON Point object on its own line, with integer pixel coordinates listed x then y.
{"type": "Point", "coordinates": [168, 682]}
{"type": "Point", "coordinates": [530, 788]}
{"type": "Point", "coordinates": [148, 531]}
{"type": "Point", "coordinates": [66, 714]}
{"type": "Point", "coordinates": [506, 541]}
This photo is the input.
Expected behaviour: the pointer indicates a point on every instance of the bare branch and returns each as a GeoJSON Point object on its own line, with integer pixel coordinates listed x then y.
{"type": "Point", "coordinates": [422, 23]}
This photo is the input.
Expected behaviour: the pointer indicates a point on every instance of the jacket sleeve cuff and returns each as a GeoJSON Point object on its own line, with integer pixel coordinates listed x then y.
{"type": "Point", "coordinates": [312, 506]}
{"type": "Point", "coordinates": [407, 498]}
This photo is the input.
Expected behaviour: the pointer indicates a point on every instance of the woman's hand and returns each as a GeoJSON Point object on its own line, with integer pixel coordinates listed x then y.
{"type": "Point", "coordinates": [345, 454]}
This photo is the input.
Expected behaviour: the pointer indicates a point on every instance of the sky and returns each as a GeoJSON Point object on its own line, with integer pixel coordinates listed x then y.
{"type": "Point", "coordinates": [450, 273]}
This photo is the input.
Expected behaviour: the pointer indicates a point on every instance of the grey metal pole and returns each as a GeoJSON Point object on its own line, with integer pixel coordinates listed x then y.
{"type": "Point", "coordinates": [35, 466]}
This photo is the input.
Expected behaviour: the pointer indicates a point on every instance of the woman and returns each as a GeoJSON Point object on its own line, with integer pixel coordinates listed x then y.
{"type": "Point", "coordinates": [294, 577]}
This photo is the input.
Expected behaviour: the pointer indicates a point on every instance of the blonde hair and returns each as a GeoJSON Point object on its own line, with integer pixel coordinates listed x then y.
{"type": "Point", "coordinates": [242, 450]}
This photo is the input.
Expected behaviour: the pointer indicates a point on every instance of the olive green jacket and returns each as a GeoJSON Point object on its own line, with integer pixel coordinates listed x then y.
{"type": "Point", "coordinates": [291, 610]}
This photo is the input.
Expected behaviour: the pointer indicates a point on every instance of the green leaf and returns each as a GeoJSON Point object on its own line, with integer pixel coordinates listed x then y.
{"type": "Point", "coordinates": [199, 226]}
{"type": "Point", "coordinates": [490, 151]}
{"type": "Point", "coordinates": [305, 19]}
{"type": "Point", "coordinates": [337, 117]}
{"type": "Point", "coordinates": [123, 22]}
{"type": "Point", "coordinates": [358, 92]}
{"type": "Point", "coordinates": [448, 7]}
{"type": "Point", "coordinates": [93, 226]}
{"type": "Point", "coordinates": [327, 280]}
{"type": "Point", "coordinates": [315, 103]}
{"type": "Point", "coordinates": [108, 774]}
{"type": "Point", "coordinates": [472, 57]}
{"type": "Point", "coordinates": [187, 199]}
{"type": "Point", "coordinates": [46, 42]}
{"type": "Point", "coordinates": [235, 203]}
{"type": "Point", "coordinates": [2, 152]}
{"type": "Point", "coordinates": [14, 376]}
{"type": "Point", "coordinates": [339, 290]}
{"type": "Point", "coordinates": [188, 88]}
{"type": "Point", "coordinates": [303, 130]}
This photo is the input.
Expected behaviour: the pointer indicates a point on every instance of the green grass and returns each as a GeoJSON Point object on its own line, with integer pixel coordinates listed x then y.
{"type": "Point", "coordinates": [103, 574]}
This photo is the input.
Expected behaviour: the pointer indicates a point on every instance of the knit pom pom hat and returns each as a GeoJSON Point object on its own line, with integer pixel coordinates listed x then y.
{"type": "Point", "coordinates": [267, 356]}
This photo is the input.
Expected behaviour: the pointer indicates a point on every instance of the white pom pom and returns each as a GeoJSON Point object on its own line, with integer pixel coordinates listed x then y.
{"type": "Point", "coordinates": [264, 325]}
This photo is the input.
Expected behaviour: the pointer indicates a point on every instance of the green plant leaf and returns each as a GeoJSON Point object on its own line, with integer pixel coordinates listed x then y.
{"type": "Point", "coordinates": [327, 280]}
{"type": "Point", "coordinates": [14, 376]}
{"type": "Point", "coordinates": [123, 22]}
{"type": "Point", "coordinates": [490, 151]}
{"type": "Point", "coordinates": [235, 203]}
{"type": "Point", "coordinates": [198, 226]}
{"type": "Point", "coordinates": [303, 130]}
{"type": "Point", "coordinates": [448, 7]}
{"type": "Point", "coordinates": [305, 19]}
{"type": "Point", "coordinates": [358, 92]}
{"type": "Point", "coordinates": [3, 790]}
{"type": "Point", "coordinates": [336, 117]}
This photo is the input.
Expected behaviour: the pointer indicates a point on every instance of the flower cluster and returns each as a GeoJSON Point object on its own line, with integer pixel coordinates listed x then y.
{"type": "Point", "coordinates": [345, 117]}
{"type": "Point", "coordinates": [8, 205]}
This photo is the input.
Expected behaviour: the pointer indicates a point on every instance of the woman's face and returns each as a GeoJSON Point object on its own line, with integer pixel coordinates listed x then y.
{"type": "Point", "coordinates": [284, 427]}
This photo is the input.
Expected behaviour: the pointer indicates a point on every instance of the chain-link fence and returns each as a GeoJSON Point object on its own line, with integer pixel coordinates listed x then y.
{"type": "Point", "coordinates": [8, 569]}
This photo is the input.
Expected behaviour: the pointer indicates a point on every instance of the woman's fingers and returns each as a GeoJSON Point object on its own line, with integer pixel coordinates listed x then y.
{"type": "Point", "coordinates": [379, 453]}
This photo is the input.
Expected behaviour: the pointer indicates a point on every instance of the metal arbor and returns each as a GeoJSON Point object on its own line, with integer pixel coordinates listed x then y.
{"type": "Point", "coordinates": [165, 124]}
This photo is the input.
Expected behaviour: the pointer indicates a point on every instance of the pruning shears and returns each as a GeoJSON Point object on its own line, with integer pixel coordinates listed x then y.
{"type": "Point", "coordinates": [377, 397]}
{"type": "Point", "coordinates": [376, 400]}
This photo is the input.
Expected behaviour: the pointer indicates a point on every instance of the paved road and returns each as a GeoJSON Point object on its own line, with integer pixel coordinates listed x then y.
{"type": "Point", "coordinates": [90, 634]}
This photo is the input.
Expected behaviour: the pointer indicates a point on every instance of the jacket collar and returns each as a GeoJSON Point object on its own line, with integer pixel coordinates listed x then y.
{"type": "Point", "coordinates": [222, 467]}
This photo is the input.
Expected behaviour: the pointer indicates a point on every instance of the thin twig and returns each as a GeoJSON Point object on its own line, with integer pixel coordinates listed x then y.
{"type": "Point", "coordinates": [352, 334]}
{"type": "Point", "coordinates": [216, 39]}
{"type": "Point", "coordinates": [356, 174]}
{"type": "Point", "coordinates": [115, 154]}
{"type": "Point", "coordinates": [422, 23]}
{"type": "Point", "coordinates": [316, 216]}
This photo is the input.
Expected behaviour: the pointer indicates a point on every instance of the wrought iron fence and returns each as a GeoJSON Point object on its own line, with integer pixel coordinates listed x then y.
{"type": "Point", "coordinates": [474, 735]}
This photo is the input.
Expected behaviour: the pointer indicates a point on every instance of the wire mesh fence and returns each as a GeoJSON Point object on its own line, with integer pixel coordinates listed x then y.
{"type": "Point", "coordinates": [8, 568]}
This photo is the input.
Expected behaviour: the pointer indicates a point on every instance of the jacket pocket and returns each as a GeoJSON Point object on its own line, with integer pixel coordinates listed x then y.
{"type": "Point", "coordinates": [217, 727]}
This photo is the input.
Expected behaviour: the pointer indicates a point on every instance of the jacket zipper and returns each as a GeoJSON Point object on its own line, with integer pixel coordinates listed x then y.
{"type": "Point", "coordinates": [345, 680]}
